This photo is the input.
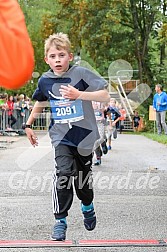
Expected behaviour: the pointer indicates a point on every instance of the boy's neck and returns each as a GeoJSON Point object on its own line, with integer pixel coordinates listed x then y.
{"type": "Point", "coordinates": [60, 74]}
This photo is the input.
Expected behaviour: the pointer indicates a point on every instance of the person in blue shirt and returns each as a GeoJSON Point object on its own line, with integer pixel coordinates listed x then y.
{"type": "Point", "coordinates": [113, 117]}
{"type": "Point", "coordinates": [70, 91]}
{"type": "Point", "coordinates": [160, 106]}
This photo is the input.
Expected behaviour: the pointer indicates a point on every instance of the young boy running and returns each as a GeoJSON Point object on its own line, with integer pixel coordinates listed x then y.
{"type": "Point", "coordinates": [73, 130]}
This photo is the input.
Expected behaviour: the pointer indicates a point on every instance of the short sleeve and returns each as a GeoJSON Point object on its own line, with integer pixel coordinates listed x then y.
{"type": "Point", "coordinates": [94, 81]}
{"type": "Point", "coordinates": [38, 95]}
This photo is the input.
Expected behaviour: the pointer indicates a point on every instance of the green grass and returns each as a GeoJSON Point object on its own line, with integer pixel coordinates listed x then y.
{"type": "Point", "coordinates": [154, 136]}
{"type": "Point", "coordinates": [158, 138]}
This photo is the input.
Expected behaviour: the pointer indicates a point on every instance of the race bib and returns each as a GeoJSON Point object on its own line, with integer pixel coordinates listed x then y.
{"type": "Point", "coordinates": [66, 111]}
{"type": "Point", "coordinates": [98, 115]}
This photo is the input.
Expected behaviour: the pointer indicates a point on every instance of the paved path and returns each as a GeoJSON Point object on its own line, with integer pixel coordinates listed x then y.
{"type": "Point", "coordinates": [130, 194]}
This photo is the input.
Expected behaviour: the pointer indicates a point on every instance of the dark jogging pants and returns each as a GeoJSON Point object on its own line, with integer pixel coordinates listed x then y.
{"type": "Point", "coordinates": [71, 167]}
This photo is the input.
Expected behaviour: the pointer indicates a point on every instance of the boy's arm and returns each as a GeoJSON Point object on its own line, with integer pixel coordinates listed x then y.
{"type": "Point", "coordinates": [17, 56]}
{"type": "Point", "coordinates": [70, 92]}
{"type": "Point", "coordinates": [37, 109]}
{"type": "Point", "coordinates": [99, 96]}
{"type": "Point", "coordinates": [114, 122]}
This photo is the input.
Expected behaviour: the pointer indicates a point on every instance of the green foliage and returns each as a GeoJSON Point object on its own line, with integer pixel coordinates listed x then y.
{"type": "Point", "coordinates": [103, 31]}
{"type": "Point", "coordinates": [149, 126]}
{"type": "Point", "coordinates": [160, 139]}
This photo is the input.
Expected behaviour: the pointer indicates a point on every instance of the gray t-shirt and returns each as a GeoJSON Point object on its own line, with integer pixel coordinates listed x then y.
{"type": "Point", "coordinates": [80, 133]}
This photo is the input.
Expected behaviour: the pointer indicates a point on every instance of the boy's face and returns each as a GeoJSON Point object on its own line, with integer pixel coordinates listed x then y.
{"type": "Point", "coordinates": [58, 60]}
{"type": "Point", "coordinates": [112, 103]}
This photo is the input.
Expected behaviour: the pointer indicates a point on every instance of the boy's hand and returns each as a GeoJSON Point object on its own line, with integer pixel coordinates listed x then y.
{"type": "Point", "coordinates": [69, 92]}
{"type": "Point", "coordinates": [31, 136]}
{"type": "Point", "coordinates": [113, 123]}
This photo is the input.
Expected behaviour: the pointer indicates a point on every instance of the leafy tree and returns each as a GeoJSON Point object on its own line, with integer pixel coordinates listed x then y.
{"type": "Point", "coordinates": [93, 28]}
{"type": "Point", "coordinates": [103, 31]}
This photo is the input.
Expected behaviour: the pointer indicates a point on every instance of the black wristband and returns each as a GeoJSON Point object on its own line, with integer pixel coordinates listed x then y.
{"type": "Point", "coordinates": [28, 126]}
{"type": "Point", "coordinates": [25, 126]}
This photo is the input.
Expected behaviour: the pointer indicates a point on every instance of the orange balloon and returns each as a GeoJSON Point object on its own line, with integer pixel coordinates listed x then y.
{"type": "Point", "coordinates": [16, 51]}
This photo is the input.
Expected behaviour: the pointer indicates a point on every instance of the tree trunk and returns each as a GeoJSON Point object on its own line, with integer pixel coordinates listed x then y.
{"type": "Point", "coordinates": [137, 40]}
{"type": "Point", "coordinates": [142, 30]}
{"type": "Point", "coordinates": [162, 49]}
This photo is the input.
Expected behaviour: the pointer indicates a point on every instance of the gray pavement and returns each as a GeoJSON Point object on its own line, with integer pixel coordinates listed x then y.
{"type": "Point", "coordinates": [130, 194]}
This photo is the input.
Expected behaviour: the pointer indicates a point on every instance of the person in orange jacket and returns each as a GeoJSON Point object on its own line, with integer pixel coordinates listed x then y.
{"type": "Point", "coordinates": [16, 51]}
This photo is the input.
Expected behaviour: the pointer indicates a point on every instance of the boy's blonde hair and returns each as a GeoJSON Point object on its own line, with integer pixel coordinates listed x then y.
{"type": "Point", "coordinates": [21, 96]}
{"type": "Point", "coordinates": [113, 100]}
{"type": "Point", "coordinates": [59, 40]}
